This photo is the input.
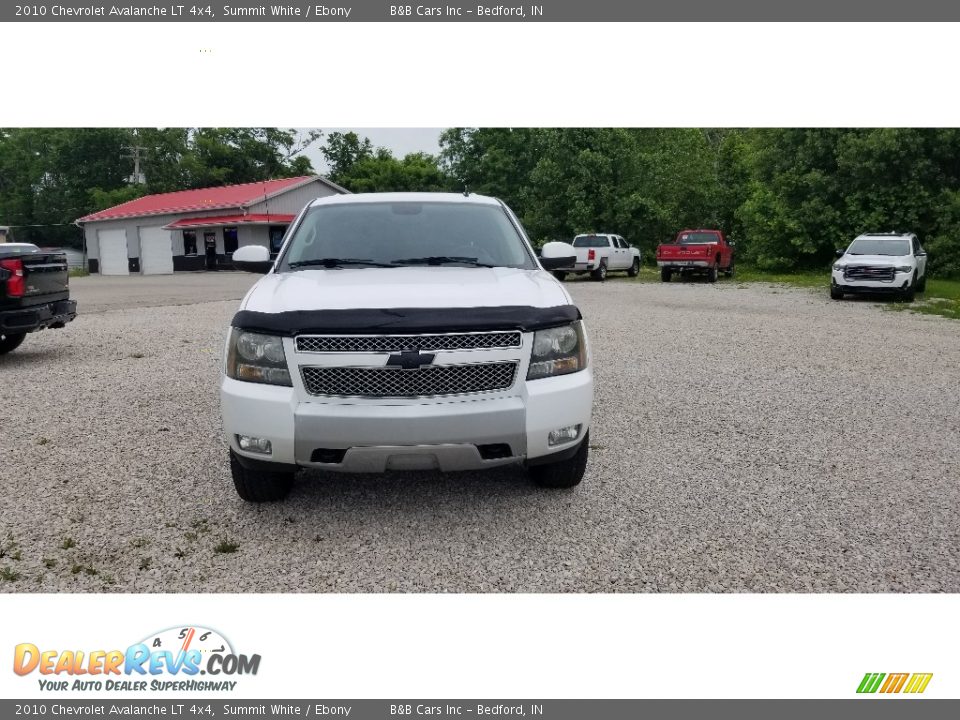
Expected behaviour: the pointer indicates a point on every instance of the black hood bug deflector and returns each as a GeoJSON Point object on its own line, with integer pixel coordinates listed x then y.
{"type": "Point", "coordinates": [406, 320]}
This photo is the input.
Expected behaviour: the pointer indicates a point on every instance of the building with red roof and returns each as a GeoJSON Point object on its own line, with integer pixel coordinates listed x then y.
{"type": "Point", "coordinates": [196, 229]}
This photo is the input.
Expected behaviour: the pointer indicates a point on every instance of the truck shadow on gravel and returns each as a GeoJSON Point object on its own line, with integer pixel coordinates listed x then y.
{"type": "Point", "coordinates": [318, 489]}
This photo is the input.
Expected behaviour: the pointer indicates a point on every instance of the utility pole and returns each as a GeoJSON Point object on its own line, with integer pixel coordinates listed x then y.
{"type": "Point", "coordinates": [135, 150]}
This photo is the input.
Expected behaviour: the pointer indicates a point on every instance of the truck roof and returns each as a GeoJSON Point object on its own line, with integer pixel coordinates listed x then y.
{"type": "Point", "coordinates": [397, 197]}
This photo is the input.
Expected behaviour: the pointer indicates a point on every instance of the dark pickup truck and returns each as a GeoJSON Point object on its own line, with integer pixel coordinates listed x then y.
{"type": "Point", "coordinates": [34, 292]}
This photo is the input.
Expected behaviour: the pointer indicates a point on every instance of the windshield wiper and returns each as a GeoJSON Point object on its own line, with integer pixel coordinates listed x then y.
{"type": "Point", "coordinates": [337, 262]}
{"type": "Point", "coordinates": [443, 260]}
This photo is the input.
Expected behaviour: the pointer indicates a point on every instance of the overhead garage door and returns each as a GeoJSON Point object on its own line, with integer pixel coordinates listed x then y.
{"type": "Point", "coordinates": [113, 252]}
{"type": "Point", "coordinates": [156, 251]}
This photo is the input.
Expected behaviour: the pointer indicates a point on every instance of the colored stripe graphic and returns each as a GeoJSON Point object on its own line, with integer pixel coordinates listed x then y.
{"type": "Point", "coordinates": [918, 683]}
{"type": "Point", "coordinates": [870, 682]}
{"type": "Point", "coordinates": [894, 682]}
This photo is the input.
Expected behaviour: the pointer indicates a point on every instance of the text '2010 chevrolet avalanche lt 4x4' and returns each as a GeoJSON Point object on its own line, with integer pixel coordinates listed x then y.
{"type": "Point", "coordinates": [405, 331]}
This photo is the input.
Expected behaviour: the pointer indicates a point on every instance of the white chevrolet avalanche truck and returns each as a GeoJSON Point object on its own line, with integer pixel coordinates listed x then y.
{"type": "Point", "coordinates": [405, 331]}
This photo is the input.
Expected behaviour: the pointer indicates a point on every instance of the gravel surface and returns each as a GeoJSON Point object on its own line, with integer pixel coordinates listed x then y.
{"type": "Point", "coordinates": [745, 438]}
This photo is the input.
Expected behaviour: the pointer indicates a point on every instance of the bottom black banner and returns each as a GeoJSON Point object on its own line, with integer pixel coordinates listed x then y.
{"type": "Point", "coordinates": [872, 708]}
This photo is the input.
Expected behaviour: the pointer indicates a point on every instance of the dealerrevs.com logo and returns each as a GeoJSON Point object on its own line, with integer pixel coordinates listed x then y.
{"type": "Point", "coordinates": [172, 659]}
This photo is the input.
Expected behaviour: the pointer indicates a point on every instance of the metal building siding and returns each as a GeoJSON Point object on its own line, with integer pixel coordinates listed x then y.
{"type": "Point", "coordinates": [292, 202]}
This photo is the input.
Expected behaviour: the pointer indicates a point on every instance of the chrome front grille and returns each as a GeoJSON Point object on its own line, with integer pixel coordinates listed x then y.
{"type": "Point", "coordinates": [398, 343]}
{"type": "Point", "coordinates": [428, 381]}
{"type": "Point", "coordinates": [868, 272]}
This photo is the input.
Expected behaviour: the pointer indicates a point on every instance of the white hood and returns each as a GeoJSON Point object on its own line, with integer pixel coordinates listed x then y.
{"type": "Point", "coordinates": [885, 260]}
{"type": "Point", "coordinates": [404, 287]}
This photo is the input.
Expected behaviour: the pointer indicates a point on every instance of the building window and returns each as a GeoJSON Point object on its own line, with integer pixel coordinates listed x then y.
{"type": "Point", "coordinates": [276, 237]}
{"type": "Point", "coordinates": [189, 242]}
{"type": "Point", "coordinates": [229, 240]}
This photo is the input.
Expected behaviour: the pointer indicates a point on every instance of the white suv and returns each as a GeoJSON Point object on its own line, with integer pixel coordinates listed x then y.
{"type": "Point", "coordinates": [405, 331]}
{"type": "Point", "coordinates": [892, 263]}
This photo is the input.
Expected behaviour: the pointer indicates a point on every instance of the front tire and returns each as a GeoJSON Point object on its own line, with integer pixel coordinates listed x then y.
{"type": "Point", "coordinates": [560, 275]}
{"type": "Point", "coordinates": [922, 285]}
{"type": "Point", "coordinates": [259, 485]}
{"type": "Point", "coordinates": [634, 269]}
{"type": "Point", "coordinates": [600, 274]}
{"type": "Point", "coordinates": [9, 343]}
{"type": "Point", "coordinates": [835, 293]}
{"type": "Point", "coordinates": [729, 272]}
{"type": "Point", "coordinates": [713, 273]}
{"type": "Point", "coordinates": [565, 473]}
{"type": "Point", "coordinates": [665, 274]}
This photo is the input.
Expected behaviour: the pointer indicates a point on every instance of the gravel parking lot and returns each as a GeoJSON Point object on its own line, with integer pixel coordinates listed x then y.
{"type": "Point", "coordinates": [745, 438]}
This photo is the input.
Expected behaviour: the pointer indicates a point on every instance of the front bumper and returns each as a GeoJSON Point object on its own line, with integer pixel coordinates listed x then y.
{"type": "Point", "coordinates": [38, 317]}
{"type": "Point", "coordinates": [454, 434]}
{"type": "Point", "coordinates": [900, 282]}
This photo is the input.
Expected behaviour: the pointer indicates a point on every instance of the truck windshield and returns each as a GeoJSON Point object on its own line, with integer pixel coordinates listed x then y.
{"type": "Point", "coordinates": [695, 238]}
{"type": "Point", "coordinates": [17, 248]}
{"type": "Point", "coordinates": [394, 234]}
{"type": "Point", "coordinates": [588, 241]}
{"type": "Point", "coordinates": [879, 246]}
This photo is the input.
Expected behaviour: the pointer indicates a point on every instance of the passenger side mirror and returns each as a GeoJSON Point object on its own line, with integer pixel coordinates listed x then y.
{"type": "Point", "coordinates": [554, 255]}
{"type": "Point", "coordinates": [840, 253]}
{"type": "Point", "coordinates": [252, 258]}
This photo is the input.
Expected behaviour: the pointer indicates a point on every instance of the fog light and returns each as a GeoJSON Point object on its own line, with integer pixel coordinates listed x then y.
{"type": "Point", "coordinates": [563, 435]}
{"type": "Point", "coordinates": [254, 444]}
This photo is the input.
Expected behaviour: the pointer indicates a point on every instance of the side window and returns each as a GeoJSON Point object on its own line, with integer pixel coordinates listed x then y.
{"type": "Point", "coordinates": [916, 246]}
{"type": "Point", "coordinates": [620, 243]}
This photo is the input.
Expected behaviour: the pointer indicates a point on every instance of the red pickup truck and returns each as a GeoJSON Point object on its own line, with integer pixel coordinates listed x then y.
{"type": "Point", "coordinates": [704, 252]}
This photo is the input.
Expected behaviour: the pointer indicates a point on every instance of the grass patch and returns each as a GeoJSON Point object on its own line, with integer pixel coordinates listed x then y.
{"type": "Point", "coordinates": [79, 272]}
{"type": "Point", "coordinates": [9, 574]}
{"type": "Point", "coordinates": [226, 547]}
{"type": "Point", "coordinates": [804, 279]}
{"type": "Point", "coordinates": [68, 543]}
{"type": "Point", "coordinates": [49, 563]}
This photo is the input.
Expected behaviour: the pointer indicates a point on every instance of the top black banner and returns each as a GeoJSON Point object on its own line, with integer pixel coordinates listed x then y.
{"type": "Point", "coordinates": [544, 11]}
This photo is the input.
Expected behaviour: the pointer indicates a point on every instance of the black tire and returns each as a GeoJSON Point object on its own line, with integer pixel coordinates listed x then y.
{"type": "Point", "coordinates": [634, 269]}
{"type": "Point", "coordinates": [600, 274]}
{"type": "Point", "coordinates": [257, 485]}
{"type": "Point", "coordinates": [713, 273]}
{"type": "Point", "coordinates": [665, 274]}
{"type": "Point", "coordinates": [909, 294]}
{"type": "Point", "coordinates": [566, 473]}
{"type": "Point", "coordinates": [922, 285]}
{"type": "Point", "coordinates": [9, 343]}
{"type": "Point", "coordinates": [560, 275]}
{"type": "Point", "coordinates": [729, 272]}
{"type": "Point", "coordinates": [835, 293]}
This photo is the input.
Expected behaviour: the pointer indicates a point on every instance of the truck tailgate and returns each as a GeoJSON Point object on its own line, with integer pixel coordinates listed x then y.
{"type": "Point", "coordinates": [684, 252]}
{"type": "Point", "coordinates": [46, 276]}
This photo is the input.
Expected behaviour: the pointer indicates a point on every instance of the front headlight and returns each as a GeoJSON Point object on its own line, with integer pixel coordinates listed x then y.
{"type": "Point", "coordinates": [558, 351]}
{"type": "Point", "coordinates": [904, 268]}
{"type": "Point", "coordinates": [255, 357]}
{"type": "Point", "coordinates": [838, 267]}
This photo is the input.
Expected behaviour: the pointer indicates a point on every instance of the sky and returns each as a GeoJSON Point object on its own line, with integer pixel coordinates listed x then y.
{"type": "Point", "coordinates": [400, 141]}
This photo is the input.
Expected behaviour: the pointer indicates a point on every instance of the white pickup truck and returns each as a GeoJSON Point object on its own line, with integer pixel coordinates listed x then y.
{"type": "Point", "coordinates": [599, 254]}
{"type": "Point", "coordinates": [405, 331]}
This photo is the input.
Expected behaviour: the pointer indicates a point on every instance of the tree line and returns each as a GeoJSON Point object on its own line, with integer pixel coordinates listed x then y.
{"type": "Point", "coordinates": [788, 197]}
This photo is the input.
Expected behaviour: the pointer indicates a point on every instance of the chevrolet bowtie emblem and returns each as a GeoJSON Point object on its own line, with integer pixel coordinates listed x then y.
{"type": "Point", "coordinates": [410, 359]}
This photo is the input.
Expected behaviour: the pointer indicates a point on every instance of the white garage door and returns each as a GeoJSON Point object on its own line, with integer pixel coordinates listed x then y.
{"type": "Point", "coordinates": [156, 251]}
{"type": "Point", "coordinates": [113, 252]}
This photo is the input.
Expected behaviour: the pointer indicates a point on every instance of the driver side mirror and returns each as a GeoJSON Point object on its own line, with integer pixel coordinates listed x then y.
{"type": "Point", "coordinates": [840, 253]}
{"type": "Point", "coordinates": [252, 258]}
{"type": "Point", "coordinates": [555, 255]}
